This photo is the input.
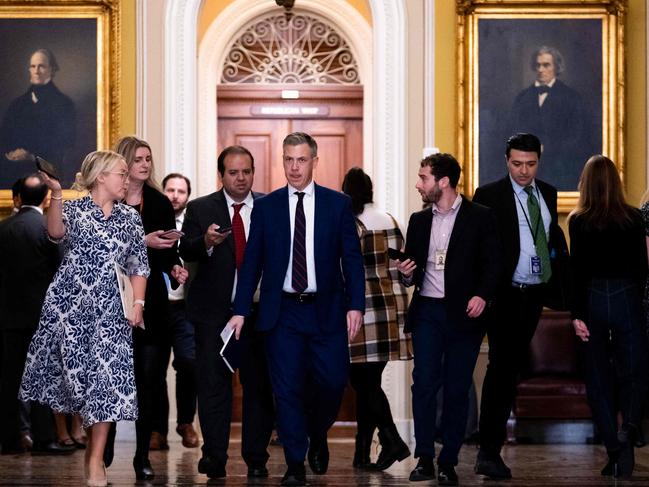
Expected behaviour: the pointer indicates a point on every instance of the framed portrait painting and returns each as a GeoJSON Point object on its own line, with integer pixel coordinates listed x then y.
{"type": "Point", "coordinates": [553, 68]}
{"type": "Point", "coordinates": [59, 86]}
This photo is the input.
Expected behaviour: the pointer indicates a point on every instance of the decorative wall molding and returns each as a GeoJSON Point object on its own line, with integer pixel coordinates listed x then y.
{"type": "Point", "coordinates": [181, 27]}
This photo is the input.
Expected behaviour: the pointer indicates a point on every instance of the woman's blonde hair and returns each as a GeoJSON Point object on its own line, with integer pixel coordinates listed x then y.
{"type": "Point", "coordinates": [127, 147]}
{"type": "Point", "coordinates": [96, 163]}
{"type": "Point", "coordinates": [601, 196]}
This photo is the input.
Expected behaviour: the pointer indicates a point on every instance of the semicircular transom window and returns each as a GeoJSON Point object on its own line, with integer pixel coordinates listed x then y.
{"type": "Point", "coordinates": [300, 49]}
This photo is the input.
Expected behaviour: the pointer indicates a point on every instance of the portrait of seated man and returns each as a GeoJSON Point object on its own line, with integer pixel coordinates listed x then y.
{"type": "Point", "coordinates": [557, 114]}
{"type": "Point", "coordinates": [41, 121]}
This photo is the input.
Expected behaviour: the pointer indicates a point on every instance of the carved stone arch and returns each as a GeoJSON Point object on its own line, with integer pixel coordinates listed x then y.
{"type": "Point", "coordinates": [302, 48]}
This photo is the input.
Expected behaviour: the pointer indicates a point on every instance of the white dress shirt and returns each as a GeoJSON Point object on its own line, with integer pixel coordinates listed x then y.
{"type": "Point", "coordinates": [543, 96]}
{"type": "Point", "coordinates": [308, 201]}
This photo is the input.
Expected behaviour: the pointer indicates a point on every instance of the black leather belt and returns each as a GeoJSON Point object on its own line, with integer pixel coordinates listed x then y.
{"type": "Point", "coordinates": [523, 286]}
{"type": "Point", "coordinates": [300, 297]}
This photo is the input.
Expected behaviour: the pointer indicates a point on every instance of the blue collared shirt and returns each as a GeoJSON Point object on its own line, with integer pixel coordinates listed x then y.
{"type": "Point", "coordinates": [523, 273]}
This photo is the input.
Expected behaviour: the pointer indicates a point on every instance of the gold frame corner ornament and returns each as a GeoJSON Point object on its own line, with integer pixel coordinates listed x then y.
{"type": "Point", "coordinates": [108, 16]}
{"type": "Point", "coordinates": [612, 14]}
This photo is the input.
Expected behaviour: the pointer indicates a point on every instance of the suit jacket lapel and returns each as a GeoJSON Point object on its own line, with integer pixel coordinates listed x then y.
{"type": "Point", "coordinates": [512, 214]}
{"type": "Point", "coordinates": [284, 224]}
{"type": "Point", "coordinates": [223, 214]}
{"type": "Point", "coordinates": [425, 237]}
{"type": "Point", "coordinates": [459, 225]}
{"type": "Point", "coordinates": [320, 215]}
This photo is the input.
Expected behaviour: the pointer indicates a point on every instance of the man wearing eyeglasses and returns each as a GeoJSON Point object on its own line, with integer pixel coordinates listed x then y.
{"type": "Point", "coordinates": [303, 240]}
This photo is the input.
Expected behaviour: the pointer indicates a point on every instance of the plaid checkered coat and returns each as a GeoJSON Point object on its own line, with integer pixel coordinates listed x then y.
{"type": "Point", "coordinates": [381, 337]}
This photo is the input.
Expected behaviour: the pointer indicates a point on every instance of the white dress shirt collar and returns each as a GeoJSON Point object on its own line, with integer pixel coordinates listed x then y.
{"type": "Point", "coordinates": [248, 200]}
{"type": "Point", "coordinates": [308, 190]}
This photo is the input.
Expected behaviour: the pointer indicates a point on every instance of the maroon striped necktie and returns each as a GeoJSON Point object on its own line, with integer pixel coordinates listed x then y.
{"type": "Point", "coordinates": [239, 234]}
{"type": "Point", "coordinates": [299, 276]}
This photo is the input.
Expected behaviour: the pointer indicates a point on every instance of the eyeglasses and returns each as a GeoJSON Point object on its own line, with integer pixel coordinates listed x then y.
{"type": "Point", "coordinates": [123, 175]}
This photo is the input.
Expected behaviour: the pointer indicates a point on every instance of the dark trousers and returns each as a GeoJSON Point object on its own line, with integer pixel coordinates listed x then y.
{"type": "Point", "coordinates": [149, 356]}
{"type": "Point", "coordinates": [215, 394]}
{"type": "Point", "coordinates": [181, 340]}
{"type": "Point", "coordinates": [509, 333]}
{"type": "Point", "coordinates": [15, 344]}
{"type": "Point", "coordinates": [615, 356]}
{"type": "Point", "coordinates": [309, 372]}
{"type": "Point", "coordinates": [444, 355]}
{"type": "Point", "coordinates": [372, 406]}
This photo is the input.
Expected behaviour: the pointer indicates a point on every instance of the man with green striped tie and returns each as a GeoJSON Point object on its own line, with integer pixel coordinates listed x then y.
{"type": "Point", "coordinates": [526, 209]}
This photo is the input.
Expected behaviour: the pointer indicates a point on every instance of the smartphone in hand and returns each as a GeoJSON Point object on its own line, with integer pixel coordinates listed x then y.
{"type": "Point", "coordinates": [395, 254]}
{"type": "Point", "coordinates": [46, 167]}
{"type": "Point", "coordinates": [224, 229]}
{"type": "Point", "coordinates": [171, 234]}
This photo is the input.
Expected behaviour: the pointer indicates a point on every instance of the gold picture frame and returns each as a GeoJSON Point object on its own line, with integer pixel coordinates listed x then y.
{"type": "Point", "coordinates": [86, 39]}
{"type": "Point", "coordinates": [498, 41]}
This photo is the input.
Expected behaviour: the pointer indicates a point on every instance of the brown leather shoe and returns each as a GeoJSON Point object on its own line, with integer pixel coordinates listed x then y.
{"type": "Point", "coordinates": [158, 442]}
{"type": "Point", "coordinates": [188, 434]}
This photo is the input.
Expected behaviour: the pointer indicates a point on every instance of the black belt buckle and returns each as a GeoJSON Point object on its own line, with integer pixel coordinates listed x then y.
{"type": "Point", "coordinates": [301, 297]}
{"type": "Point", "coordinates": [520, 285]}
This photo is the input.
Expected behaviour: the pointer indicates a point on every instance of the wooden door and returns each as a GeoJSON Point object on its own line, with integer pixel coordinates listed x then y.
{"type": "Point", "coordinates": [258, 118]}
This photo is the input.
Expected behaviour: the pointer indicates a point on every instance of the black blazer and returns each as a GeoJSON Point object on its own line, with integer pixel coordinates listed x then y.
{"type": "Point", "coordinates": [473, 261]}
{"type": "Point", "coordinates": [158, 214]}
{"type": "Point", "coordinates": [210, 292]}
{"type": "Point", "coordinates": [29, 261]}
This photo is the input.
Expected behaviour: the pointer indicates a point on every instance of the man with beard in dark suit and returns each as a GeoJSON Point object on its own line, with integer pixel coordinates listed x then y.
{"type": "Point", "coordinates": [40, 122]}
{"type": "Point", "coordinates": [556, 114]}
{"type": "Point", "coordinates": [216, 227]}
{"type": "Point", "coordinates": [29, 261]}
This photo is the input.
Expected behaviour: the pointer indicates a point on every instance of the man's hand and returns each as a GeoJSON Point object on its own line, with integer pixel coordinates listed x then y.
{"type": "Point", "coordinates": [354, 323]}
{"type": "Point", "coordinates": [475, 307]}
{"type": "Point", "coordinates": [179, 273]}
{"type": "Point", "coordinates": [236, 322]}
{"type": "Point", "coordinates": [406, 267]}
{"type": "Point", "coordinates": [212, 237]}
{"type": "Point", "coordinates": [19, 154]}
{"type": "Point", "coordinates": [581, 330]}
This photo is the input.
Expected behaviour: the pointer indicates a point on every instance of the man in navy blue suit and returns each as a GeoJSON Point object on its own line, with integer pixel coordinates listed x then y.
{"type": "Point", "coordinates": [303, 240]}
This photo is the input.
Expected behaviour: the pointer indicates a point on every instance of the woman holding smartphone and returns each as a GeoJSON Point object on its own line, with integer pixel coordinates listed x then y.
{"type": "Point", "coordinates": [81, 357]}
{"type": "Point", "coordinates": [151, 344]}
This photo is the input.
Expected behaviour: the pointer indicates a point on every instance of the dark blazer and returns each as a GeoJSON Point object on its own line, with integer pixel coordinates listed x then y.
{"type": "Point", "coordinates": [473, 261]}
{"type": "Point", "coordinates": [158, 214]}
{"type": "Point", "coordinates": [210, 292]}
{"type": "Point", "coordinates": [340, 276]}
{"type": "Point", "coordinates": [29, 261]}
{"type": "Point", "coordinates": [499, 196]}
{"type": "Point", "coordinates": [564, 126]}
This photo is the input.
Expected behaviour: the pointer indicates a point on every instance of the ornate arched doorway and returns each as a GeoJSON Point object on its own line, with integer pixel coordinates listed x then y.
{"type": "Point", "coordinates": [291, 73]}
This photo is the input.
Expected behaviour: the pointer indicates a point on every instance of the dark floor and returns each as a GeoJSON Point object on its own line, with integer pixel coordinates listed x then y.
{"type": "Point", "coordinates": [532, 465]}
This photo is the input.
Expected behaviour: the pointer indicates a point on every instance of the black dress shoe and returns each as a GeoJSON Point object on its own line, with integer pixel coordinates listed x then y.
{"type": "Point", "coordinates": [295, 476]}
{"type": "Point", "coordinates": [611, 469]}
{"type": "Point", "coordinates": [393, 448]}
{"type": "Point", "coordinates": [52, 448]}
{"type": "Point", "coordinates": [143, 469]}
{"type": "Point", "coordinates": [425, 470]}
{"type": "Point", "coordinates": [213, 468]}
{"type": "Point", "coordinates": [257, 472]}
{"type": "Point", "coordinates": [626, 459]}
{"type": "Point", "coordinates": [492, 466]}
{"type": "Point", "coordinates": [446, 475]}
{"type": "Point", "coordinates": [109, 448]}
{"type": "Point", "coordinates": [318, 456]}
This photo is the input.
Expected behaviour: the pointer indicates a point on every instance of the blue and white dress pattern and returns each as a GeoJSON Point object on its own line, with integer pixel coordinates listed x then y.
{"type": "Point", "coordinates": [81, 356]}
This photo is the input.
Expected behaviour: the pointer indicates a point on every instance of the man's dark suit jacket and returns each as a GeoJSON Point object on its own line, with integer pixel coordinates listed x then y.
{"type": "Point", "coordinates": [210, 292]}
{"type": "Point", "coordinates": [340, 276]}
{"type": "Point", "coordinates": [29, 261]}
{"type": "Point", "coordinates": [473, 261]}
{"type": "Point", "coordinates": [499, 196]}
{"type": "Point", "coordinates": [564, 126]}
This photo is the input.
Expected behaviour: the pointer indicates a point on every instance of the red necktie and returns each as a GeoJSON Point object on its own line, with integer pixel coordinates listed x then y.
{"type": "Point", "coordinates": [239, 234]}
{"type": "Point", "coordinates": [299, 276]}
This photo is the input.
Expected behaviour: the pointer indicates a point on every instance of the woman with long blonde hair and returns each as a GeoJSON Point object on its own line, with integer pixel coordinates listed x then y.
{"type": "Point", "coordinates": [609, 268]}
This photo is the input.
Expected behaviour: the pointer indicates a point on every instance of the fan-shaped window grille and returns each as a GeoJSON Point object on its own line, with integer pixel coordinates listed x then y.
{"type": "Point", "coordinates": [301, 49]}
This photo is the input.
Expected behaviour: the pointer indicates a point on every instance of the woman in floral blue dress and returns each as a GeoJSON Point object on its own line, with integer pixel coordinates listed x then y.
{"type": "Point", "coordinates": [81, 357]}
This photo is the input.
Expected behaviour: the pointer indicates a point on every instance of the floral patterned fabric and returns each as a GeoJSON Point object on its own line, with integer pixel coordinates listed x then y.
{"type": "Point", "coordinates": [81, 357]}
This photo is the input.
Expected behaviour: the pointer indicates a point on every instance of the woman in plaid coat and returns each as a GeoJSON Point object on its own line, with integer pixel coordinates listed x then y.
{"type": "Point", "coordinates": [381, 338]}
